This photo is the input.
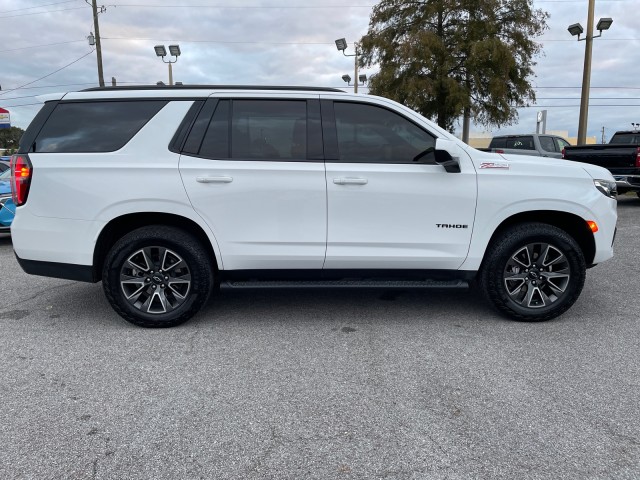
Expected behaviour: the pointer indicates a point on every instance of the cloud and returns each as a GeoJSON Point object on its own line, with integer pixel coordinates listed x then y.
{"type": "Point", "coordinates": [289, 46]}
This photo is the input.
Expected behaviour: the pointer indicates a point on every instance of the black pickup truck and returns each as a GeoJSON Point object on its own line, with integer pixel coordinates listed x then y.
{"type": "Point", "coordinates": [621, 156]}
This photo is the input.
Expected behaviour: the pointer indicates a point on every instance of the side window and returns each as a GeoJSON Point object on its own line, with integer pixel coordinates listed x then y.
{"type": "Point", "coordinates": [547, 144]}
{"type": "Point", "coordinates": [520, 143]}
{"type": "Point", "coordinates": [372, 134]}
{"type": "Point", "coordinates": [269, 129]}
{"type": "Point", "coordinates": [105, 126]}
{"type": "Point", "coordinates": [561, 143]}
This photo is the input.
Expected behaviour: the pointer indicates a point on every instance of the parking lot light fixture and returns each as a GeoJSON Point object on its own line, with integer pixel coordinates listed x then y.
{"type": "Point", "coordinates": [346, 78]}
{"type": "Point", "coordinates": [576, 29]}
{"type": "Point", "coordinates": [174, 51]}
{"type": "Point", "coordinates": [341, 45]}
{"type": "Point", "coordinates": [604, 24]}
{"type": "Point", "coordinates": [362, 78]}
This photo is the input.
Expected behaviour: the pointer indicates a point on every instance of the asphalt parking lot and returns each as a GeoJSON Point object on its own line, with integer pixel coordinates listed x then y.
{"type": "Point", "coordinates": [302, 384]}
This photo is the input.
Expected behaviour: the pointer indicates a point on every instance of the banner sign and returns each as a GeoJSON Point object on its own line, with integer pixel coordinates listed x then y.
{"type": "Point", "coordinates": [5, 118]}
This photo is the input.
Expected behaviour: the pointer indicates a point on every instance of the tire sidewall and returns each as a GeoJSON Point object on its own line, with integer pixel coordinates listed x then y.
{"type": "Point", "coordinates": [517, 238]}
{"type": "Point", "coordinates": [174, 239]}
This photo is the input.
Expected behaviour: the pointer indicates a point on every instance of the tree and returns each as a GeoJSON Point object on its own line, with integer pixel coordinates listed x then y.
{"type": "Point", "coordinates": [445, 57]}
{"type": "Point", "coordinates": [10, 138]}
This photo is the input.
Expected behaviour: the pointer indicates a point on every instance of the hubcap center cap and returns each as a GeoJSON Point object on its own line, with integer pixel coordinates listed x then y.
{"type": "Point", "coordinates": [157, 279]}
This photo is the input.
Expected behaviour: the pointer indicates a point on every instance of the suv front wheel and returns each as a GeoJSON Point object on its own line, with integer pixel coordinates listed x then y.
{"type": "Point", "coordinates": [157, 276]}
{"type": "Point", "coordinates": [533, 272]}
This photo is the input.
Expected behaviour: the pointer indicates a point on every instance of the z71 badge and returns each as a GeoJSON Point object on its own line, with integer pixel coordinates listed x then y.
{"type": "Point", "coordinates": [502, 165]}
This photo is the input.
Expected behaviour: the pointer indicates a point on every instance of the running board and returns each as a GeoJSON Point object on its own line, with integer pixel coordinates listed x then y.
{"type": "Point", "coordinates": [435, 284]}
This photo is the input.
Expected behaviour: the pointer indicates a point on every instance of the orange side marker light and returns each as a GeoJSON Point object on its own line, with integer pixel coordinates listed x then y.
{"type": "Point", "coordinates": [592, 225]}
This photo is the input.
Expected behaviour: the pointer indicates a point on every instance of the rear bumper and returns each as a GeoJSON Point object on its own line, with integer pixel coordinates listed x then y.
{"type": "Point", "coordinates": [67, 271]}
{"type": "Point", "coordinates": [627, 182]}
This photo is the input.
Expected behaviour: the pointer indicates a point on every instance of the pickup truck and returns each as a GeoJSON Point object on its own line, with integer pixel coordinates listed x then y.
{"type": "Point", "coordinates": [532, 144]}
{"type": "Point", "coordinates": [621, 156]}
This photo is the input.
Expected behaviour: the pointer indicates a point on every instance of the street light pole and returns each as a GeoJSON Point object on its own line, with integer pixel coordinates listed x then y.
{"type": "Point", "coordinates": [341, 45]}
{"type": "Point", "coordinates": [355, 68]}
{"type": "Point", "coordinates": [174, 51]}
{"type": "Point", "coordinates": [576, 29]}
{"type": "Point", "coordinates": [586, 78]}
{"type": "Point", "coordinates": [96, 25]}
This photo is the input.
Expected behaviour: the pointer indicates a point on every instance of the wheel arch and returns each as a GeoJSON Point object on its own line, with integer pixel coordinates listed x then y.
{"type": "Point", "coordinates": [120, 226]}
{"type": "Point", "coordinates": [573, 224]}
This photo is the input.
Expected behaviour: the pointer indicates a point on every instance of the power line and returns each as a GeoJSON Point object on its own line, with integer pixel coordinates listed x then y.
{"type": "Point", "coordinates": [43, 45]}
{"type": "Point", "coordinates": [40, 13]}
{"type": "Point", "coordinates": [48, 75]}
{"type": "Point", "coordinates": [37, 6]}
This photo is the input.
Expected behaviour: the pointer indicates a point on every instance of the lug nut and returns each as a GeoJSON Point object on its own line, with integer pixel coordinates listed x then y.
{"type": "Point", "coordinates": [162, 285]}
{"type": "Point", "coordinates": [166, 278]}
{"type": "Point", "coordinates": [154, 287]}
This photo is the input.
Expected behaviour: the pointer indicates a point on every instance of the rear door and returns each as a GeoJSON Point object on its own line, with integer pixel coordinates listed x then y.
{"type": "Point", "coordinates": [390, 206]}
{"type": "Point", "coordinates": [253, 169]}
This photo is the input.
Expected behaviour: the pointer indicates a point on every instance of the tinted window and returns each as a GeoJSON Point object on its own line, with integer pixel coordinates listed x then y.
{"type": "Point", "coordinates": [498, 142]}
{"type": "Point", "coordinates": [561, 143]}
{"type": "Point", "coordinates": [547, 144]}
{"type": "Point", "coordinates": [216, 140]}
{"type": "Point", "coordinates": [521, 143]}
{"type": "Point", "coordinates": [628, 138]}
{"type": "Point", "coordinates": [367, 133]}
{"type": "Point", "coordinates": [269, 129]}
{"type": "Point", "coordinates": [94, 126]}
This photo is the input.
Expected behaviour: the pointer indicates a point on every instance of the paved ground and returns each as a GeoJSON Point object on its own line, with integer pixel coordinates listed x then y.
{"type": "Point", "coordinates": [322, 384]}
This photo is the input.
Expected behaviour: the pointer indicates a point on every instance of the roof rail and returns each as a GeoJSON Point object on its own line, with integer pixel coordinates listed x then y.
{"type": "Point", "coordinates": [213, 87]}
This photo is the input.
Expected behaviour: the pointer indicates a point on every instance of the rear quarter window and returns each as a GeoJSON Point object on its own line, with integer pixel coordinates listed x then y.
{"type": "Point", "coordinates": [107, 126]}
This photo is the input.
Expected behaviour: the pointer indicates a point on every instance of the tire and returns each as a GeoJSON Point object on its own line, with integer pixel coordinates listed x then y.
{"type": "Point", "coordinates": [533, 272]}
{"type": "Point", "coordinates": [157, 276]}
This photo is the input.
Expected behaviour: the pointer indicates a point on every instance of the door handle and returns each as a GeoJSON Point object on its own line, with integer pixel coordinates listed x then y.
{"type": "Point", "coordinates": [223, 179]}
{"type": "Point", "coordinates": [350, 181]}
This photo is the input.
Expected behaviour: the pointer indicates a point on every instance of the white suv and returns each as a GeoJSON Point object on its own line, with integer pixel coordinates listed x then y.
{"type": "Point", "coordinates": [165, 192]}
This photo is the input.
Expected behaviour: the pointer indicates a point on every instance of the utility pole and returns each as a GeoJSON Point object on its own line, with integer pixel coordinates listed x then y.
{"type": "Point", "coordinates": [603, 135]}
{"type": "Point", "coordinates": [98, 46]}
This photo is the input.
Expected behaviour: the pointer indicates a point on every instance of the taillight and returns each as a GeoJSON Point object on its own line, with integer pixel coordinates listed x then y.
{"type": "Point", "coordinates": [21, 173]}
{"type": "Point", "coordinates": [563, 153]}
{"type": "Point", "coordinates": [638, 157]}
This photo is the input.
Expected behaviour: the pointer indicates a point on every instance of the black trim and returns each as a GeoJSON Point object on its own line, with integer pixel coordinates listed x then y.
{"type": "Point", "coordinates": [344, 274]}
{"type": "Point", "coordinates": [67, 271]}
{"type": "Point", "coordinates": [193, 142]}
{"type": "Point", "coordinates": [315, 148]}
{"type": "Point", "coordinates": [178, 140]}
{"type": "Point", "coordinates": [214, 87]}
{"type": "Point", "coordinates": [329, 131]}
{"type": "Point", "coordinates": [33, 130]}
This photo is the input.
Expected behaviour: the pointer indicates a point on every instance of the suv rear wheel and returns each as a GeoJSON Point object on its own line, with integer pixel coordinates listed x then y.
{"type": "Point", "coordinates": [533, 272]}
{"type": "Point", "coordinates": [157, 276]}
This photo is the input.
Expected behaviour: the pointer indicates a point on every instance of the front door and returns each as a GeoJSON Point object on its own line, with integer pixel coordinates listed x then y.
{"type": "Point", "coordinates": [390, 206]}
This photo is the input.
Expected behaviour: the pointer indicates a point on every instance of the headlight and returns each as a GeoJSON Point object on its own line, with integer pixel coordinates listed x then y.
{"type": "Point", "coordinates": [606, 187]}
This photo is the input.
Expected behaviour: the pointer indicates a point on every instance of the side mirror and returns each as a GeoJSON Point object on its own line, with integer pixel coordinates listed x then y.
{"type": "Point", "coordinates": [448, 155]}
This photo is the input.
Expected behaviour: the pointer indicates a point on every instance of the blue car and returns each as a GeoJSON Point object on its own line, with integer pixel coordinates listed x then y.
{"type": "Point", "coordinates": [7, 207]}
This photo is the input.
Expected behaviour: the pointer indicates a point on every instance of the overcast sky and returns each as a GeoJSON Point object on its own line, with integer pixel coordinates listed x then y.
{"type": "Point", "coordinates": [290, 42]}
